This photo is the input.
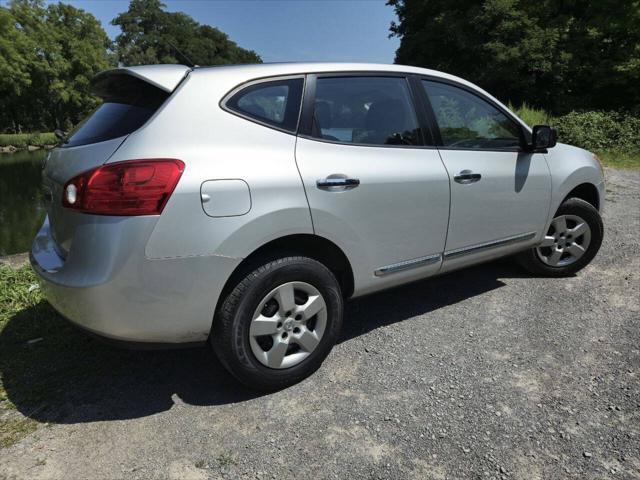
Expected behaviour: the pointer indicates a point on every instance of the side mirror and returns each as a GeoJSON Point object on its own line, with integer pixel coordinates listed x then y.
{"type": "Point", "coordinates": [543, 136]}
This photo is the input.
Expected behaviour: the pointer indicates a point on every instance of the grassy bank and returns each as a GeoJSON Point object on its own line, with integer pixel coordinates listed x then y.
{"type": "Point", "coordinates": [611, 158]}
{"type": "Point", "coordinates": [25, 140]}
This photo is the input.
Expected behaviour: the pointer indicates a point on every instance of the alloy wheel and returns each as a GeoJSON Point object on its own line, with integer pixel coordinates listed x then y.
{"type": "Point", "coordinates": [288, 325]}
{"type": "Point", "coordinates": [566, 241]}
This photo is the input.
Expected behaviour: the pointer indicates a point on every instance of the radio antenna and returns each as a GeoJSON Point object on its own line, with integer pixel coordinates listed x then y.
{"type": "Point", "coordinates": [184, 57]}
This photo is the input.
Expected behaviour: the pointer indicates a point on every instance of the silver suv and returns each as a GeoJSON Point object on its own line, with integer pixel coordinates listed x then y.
{"type": "Point", "coordinates": [242, 205]}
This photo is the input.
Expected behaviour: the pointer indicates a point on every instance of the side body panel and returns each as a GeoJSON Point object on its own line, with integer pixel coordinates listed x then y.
{"type": "Point", "coordinates": [216, 145]}
{"type": "Point", "coordinates": [398, 213]}
{"type": "Point", "coordinates": [504, 211]}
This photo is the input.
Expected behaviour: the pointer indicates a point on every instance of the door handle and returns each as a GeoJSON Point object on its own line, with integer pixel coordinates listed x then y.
{"type": "Point", "coordinates": [467, 176]}
{"type": "Point", "coordinates": [337, 183]}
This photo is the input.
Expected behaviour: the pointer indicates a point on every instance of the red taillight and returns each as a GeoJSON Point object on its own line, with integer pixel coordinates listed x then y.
{"type": "Point", "coordinates": [134, 187]}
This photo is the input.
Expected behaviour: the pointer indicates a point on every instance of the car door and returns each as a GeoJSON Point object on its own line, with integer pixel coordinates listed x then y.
{"type": "Point", "coordinates": [500, 194]}
{"type": "Point", "coordinates": [374, 188]}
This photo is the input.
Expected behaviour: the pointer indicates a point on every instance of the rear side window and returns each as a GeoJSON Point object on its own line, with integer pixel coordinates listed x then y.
{"type": "Point", "coordinates": [275, 103]}
{"type": "Point", "coordinates": [365, 110]}
{"type": "Point", "coordinates": [127, 104]}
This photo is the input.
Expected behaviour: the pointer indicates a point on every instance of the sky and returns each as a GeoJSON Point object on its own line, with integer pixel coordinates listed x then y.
{"type": "Point", "coordinates": [285, 30]}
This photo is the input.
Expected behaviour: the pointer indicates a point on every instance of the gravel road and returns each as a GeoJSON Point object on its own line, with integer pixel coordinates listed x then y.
{"type": "Point", "coordinates": [485, 373]}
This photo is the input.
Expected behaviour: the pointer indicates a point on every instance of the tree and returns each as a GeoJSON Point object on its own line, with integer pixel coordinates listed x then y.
{"type": "Point", "coordinates": [556, 55]}
{"type": "Point", "coordinates": [14, 72]}
{"type": "Point", "coordinates": [47, 57]}
{"type": "Point", "coordinates": [84, 46]}
{"type": "Point", "coordinates": [151, 35]}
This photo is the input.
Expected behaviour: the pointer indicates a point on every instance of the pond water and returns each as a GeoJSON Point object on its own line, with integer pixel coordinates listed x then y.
{"type": "Point", "coordinates": [21, 200]}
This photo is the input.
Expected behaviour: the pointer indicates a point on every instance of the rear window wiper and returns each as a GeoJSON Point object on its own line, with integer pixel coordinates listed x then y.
{"type": "Point", "coordinates": [60, 135]}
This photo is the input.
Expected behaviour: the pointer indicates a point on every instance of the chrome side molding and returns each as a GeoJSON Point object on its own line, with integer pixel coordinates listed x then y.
{"type": "Point", "coordinates": [459, 252]}
{"type": "Point", "coordinates": [407, 264]}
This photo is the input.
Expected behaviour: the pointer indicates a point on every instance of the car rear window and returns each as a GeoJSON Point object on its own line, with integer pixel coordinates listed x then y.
{"type": "Point", "coordinates": [127, 104]}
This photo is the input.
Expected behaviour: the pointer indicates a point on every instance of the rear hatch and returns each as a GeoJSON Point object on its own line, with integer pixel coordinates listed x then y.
{"type": "Point", "coordinates": [130, 98]}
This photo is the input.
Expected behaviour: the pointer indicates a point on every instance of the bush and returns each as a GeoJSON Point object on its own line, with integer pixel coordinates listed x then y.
{"type": "Point", "coordinates": [531, 115]}
{"type": "Point", "coordinates": [594, 131]}
{"type": "Point", "coordinates": [600, 131]}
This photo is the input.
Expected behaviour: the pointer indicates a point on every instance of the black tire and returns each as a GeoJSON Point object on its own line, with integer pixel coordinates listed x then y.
{"type": "Point", "coordinates": [230, 332]}
{"type": "Point", "coordinates": [530, 260]}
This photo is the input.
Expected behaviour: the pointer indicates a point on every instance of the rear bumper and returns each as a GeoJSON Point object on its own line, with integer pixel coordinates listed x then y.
{"type": "Point", "coordinates": [106, 284]}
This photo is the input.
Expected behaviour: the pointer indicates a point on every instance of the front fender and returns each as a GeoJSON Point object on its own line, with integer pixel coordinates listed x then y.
{"type": "Point", "coordinates": [570, 167]}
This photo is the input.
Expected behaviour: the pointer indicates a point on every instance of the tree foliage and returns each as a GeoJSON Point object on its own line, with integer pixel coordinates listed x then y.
{"type": "Point", "coordinates": [577, 54]}
{"type": "Point", "coordinates": [48, 54]}
{"type": "Point", "coordinates": [151, 35]}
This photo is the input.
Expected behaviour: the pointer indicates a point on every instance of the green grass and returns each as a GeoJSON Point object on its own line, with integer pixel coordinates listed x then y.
{"type": "Point", "coordinates": [615, 159]}
{"type": "Point", "coordinates": [23, 140]}
{"type": "Point", "coordinates": [12, 430]}
{"type": "Point", "coordinates": [14, 297]}
{"type": "Point", "coordinates": [14, 293]}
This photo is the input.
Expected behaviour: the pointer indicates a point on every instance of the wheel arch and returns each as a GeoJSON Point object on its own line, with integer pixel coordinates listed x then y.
{"type": "Point", "coordinates": [308, 245]}
{"type": "Point", "coordinates": [587, 192]}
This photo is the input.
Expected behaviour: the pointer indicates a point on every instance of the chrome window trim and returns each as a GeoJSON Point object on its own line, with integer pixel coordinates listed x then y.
{"type": "Point", "coordinates": [372, 145]}
{"type": "Point", "coordinates": [408, 264]}
{"type": "Point", "coordinates": [459, 252]}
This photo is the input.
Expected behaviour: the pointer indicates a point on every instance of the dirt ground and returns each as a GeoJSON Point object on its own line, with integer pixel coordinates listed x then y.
{"type": "Point", "coordinates": [483, 373]}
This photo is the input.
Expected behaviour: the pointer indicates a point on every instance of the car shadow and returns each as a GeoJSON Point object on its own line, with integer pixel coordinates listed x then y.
{"type": "Point", "coordinates": [54, 372]}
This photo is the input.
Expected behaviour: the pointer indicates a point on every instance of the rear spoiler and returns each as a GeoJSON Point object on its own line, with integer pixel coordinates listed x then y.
{"type": "Point", "coordinates": [164, 77]}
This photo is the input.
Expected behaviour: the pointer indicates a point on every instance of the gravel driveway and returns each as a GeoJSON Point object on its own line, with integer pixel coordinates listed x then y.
{"type": "Point", "coordinates": [483, 373]}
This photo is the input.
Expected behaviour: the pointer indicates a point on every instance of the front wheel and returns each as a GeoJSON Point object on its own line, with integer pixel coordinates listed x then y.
{"type": "Point", "coordinates": [572, 241]}
{"type": "Point", "coordinates": [279, 323]}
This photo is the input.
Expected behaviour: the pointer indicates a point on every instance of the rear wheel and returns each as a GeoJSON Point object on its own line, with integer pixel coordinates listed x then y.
{"type": "Point", "coordinates": [572, 241]}
{"type": "Point", "coordinates": [278, 323]}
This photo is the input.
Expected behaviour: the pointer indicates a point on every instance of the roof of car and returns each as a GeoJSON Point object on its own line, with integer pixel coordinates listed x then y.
{"type": "Point", "coordinates": [167, 77]}
{"type": "Point", "coordinates": [280, 68]}
{"type": "Point", "coordinates": [259, 70]}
